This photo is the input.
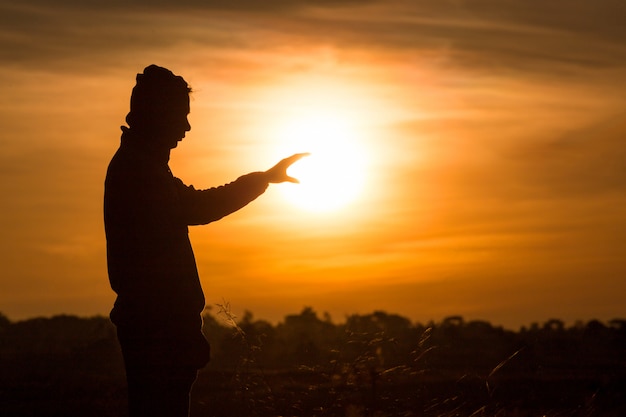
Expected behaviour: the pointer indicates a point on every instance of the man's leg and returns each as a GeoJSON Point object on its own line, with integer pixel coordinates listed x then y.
{"type": "Point", "coordinates": [159, 392]}
{"type": "Point", "coordinates": [158, 383]}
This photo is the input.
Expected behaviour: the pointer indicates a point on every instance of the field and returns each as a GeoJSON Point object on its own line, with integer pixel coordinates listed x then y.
{"type": "Point", "coordinates": [373, 365]}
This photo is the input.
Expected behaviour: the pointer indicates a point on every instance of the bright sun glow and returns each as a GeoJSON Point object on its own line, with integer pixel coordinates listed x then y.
{"type": "Point", "coordinates": [334, 174]}
{"type": "Point", "coordinates": [332, 119]}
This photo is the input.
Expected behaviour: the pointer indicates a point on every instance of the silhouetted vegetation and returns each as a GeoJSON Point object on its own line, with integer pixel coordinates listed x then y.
{"type": "Point", "coordinates": [377, 364]}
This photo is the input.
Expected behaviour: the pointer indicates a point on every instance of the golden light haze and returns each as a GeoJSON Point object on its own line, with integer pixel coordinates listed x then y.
{"type": "Point", "coordinates": [487, 140]}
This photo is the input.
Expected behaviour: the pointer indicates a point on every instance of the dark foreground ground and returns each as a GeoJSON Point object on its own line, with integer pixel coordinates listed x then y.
{"type": "Point", "coordinates": [375, 365]}
{"type": "Point", "coordinates": [313, 394]}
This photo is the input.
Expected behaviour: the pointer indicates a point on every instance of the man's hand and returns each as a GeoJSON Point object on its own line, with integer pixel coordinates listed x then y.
{"type": "Point", "coordinates": [278, 173]}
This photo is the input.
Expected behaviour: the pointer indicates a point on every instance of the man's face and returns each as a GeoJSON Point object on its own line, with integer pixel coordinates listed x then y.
{"type": "Point", "coordinates": [174, 124]}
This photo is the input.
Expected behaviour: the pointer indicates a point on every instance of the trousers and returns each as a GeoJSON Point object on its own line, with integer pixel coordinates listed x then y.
{"type": "Point", "coordinates": [160, 372]}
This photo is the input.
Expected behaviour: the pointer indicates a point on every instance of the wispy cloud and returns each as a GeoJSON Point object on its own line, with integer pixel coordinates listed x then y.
{"type": "Point", "coordinates": [508, 35]}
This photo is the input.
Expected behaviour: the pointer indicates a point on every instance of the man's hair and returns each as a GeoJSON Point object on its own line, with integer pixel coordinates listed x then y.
{"type": "Point", "coordinates": [157, 90]}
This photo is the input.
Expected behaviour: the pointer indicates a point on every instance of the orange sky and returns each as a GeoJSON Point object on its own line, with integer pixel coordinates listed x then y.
{"type": "Point", "coordinates": [494, 133]}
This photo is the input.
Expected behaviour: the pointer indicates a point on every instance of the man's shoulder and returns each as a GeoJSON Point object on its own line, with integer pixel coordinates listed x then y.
{"type": "Point", "coordinates": [127, 161]}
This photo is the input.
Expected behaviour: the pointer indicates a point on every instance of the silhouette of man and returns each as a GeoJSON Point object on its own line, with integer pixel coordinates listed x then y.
{"type": "Point", "coordinates": [149, 256]}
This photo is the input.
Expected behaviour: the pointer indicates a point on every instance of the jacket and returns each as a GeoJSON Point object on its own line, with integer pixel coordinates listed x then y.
{"type": "Point", "coordinates": [150, 260]}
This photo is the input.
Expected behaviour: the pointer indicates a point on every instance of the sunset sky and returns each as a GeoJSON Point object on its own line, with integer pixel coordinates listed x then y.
{"type": "Point", "coordinates": [483, 145]}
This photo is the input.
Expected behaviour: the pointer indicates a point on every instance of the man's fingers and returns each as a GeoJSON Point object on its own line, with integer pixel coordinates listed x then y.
{"type": "Point", "coordinates": [278, 173]}
{"type": "Point", "coordinates": [294, 158]}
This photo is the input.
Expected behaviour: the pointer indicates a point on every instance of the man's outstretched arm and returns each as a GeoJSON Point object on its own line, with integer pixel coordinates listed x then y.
{"type": "Point", "coordinates": [205, 206]}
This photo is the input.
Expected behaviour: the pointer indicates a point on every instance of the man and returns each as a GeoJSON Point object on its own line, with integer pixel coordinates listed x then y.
{"type": "Point", "coordinates": [150, 260]}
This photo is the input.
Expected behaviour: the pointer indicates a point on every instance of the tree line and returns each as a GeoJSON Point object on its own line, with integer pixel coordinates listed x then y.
{"type": "Point", "coordinates": [305, 339]}
{"type": "Point", "coordinates": [378, 361]}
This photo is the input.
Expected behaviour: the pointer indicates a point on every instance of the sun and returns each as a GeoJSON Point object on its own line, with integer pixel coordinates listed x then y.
{"type": "Point", "coordinates": [335, 120]}
{"type": "Point", "coordinates": [334, 174]}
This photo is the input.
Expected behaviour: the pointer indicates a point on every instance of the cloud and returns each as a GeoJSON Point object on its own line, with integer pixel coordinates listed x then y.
{"type": "Point", "coordinates": [168, 5]}
{"type": "Point", "coordinates": [487, 35]}
{"type": "Point", "coordinates": [585, 163]}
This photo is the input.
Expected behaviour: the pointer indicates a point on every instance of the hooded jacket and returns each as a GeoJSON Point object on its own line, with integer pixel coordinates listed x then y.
{"type": "Point", "coordinates": [150, 260]}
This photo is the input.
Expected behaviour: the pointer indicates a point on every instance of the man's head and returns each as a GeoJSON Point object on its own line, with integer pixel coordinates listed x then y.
{"type": "Point", "coordinates": [159, 106]}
